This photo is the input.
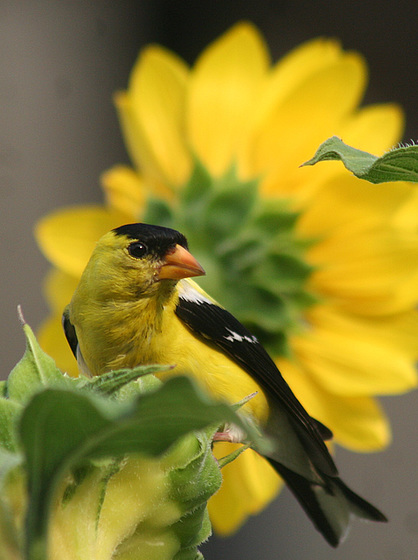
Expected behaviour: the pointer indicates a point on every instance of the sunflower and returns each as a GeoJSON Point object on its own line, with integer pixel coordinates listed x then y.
{"type": "Point", "coordinates": [325, 262]}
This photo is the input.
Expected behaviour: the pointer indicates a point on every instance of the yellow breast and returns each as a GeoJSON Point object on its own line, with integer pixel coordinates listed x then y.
{"type": "Point", "coordinates": [211, 368]}
{"type": "Point", "coordinates": [142, 332]}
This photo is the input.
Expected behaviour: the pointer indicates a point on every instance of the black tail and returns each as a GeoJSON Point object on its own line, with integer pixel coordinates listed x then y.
{"type": "Point", "coordinates": [329, 506]}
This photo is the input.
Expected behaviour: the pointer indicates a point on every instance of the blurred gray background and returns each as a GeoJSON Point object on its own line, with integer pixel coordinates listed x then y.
{"type": "Point", "coordinates": [60, 62]}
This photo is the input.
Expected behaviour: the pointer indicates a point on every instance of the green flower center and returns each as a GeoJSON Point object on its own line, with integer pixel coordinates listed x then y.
{"type": "Point", "coordinates": [254, 260]}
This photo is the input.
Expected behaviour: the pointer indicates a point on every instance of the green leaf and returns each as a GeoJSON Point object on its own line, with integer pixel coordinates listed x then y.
{"type": "Point", "coordinates": [9, 412]}
{"type": "Point", "coordinates": [34, 371]}
{"type": "Point", "coordinates": [399, 164]}
{"type": "Point", "coordinates": [8, 462]}
{"type": "Point", "coordinates": [74, 427]}
{"type": "Point", "coordinates": [9, 538]}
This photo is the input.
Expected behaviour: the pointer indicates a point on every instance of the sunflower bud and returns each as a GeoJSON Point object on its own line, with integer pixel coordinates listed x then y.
{"type": "Point", "coordinates": [135, 508]}
{"type": "Point", "coordinates": [119, 467]}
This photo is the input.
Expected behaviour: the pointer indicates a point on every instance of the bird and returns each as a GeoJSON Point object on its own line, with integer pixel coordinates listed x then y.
{"type": "Point", "coordinates": [136, 304]}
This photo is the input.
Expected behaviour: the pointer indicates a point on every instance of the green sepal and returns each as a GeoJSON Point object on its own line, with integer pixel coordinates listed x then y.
{"type": "Point", "coordinates": [112, 382]}
{"type": "Point", "coordinates": [229, 208]}
{"type": "Point", "coordinates": [201, 467]}
{"type": "Point", "coordinates": [238, 405]}
{"type": "Point", "coordinates": [399, 164]}
{"type": "Point", "coordinates": [192, 530]}
{"type": "Point", "coordinates": [196, 194]}
{"type": "Point", "coordinates": [223, 461]}
{"type": "Point", "coordinates": [138, 386]}
{"type": "Point", "coordinates": [112, 467]}
{"type": "Point", "coordinates": [158, 211]}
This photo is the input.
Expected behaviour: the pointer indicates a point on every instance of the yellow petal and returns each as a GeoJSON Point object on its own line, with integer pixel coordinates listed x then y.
{"type": "Point", "coordinates": [374, 129]}
{"type": "Point", "coordinates": [406, 218]}
{"type": "Point", "coordinates": [52, 340]}
{"type": "Point", "coordinates": [358, 423]}
{"type": "Point", "coordinates": [343, 199]}
{"type": "Point", "coordinates": [365, 269]}
{"type": "Point", "coordinates": [139, 148]}
{"type": "Point", "coordinates": [58, 289]}
{"type": "Point", "coordinates": [124, 190]}
{"type": "Point", "coordinates": [222, 95]}
{"type": "Point", "coordinates": [249, 484]}
{"type": "Point", "coordinates": [290, 73]}
{"type": "Point", "coordinates": [350, 356]}
{"type": "Point", "coordinates": [156, 96]}
{"type": "Point", "coordinates": [293, 70]}
{"type": "Point", "coordinates": [67, 237]}
{"type": "Point", "coordinates": [310, 113]}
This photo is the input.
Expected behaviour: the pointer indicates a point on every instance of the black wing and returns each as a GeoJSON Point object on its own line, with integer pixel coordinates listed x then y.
{"type": "Point", "coordinates": [72, 340]}
{"type": "Point", "coordinates": [69, 331]}
{"type": "Point", "coordinates": [221, 328]}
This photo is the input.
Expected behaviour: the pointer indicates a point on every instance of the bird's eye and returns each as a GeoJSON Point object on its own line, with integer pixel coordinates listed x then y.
{"type": "Point", "coordinates": [137, 249]}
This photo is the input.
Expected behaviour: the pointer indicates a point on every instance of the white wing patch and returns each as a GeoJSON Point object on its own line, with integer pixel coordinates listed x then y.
{"type": "Point", "coordinates": [192, 294]}
{"type": "Point", "coordinates": [235, 337]}
{"type": "Point", "coordinates": [189, 293]}
{"type": "Point", "coordinates": [82, 366]}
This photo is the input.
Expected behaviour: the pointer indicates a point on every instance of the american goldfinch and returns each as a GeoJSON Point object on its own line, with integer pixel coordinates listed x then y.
{"type": "Point", "coordinates": [135, 304]}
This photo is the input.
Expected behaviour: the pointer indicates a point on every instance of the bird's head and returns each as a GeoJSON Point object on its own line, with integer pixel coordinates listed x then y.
{"type": "Point", "coordinates": [136, 259]}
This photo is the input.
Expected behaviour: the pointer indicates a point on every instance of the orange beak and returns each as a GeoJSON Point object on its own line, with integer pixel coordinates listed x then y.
{"type": "Point", "coordinates": [179, 263]}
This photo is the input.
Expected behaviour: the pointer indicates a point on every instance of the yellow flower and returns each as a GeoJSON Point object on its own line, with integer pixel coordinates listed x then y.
{"type": "Point", "coordinates": [355, 337]}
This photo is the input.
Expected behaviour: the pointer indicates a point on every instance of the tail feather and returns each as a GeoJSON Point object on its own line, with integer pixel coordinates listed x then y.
{"type": "Point", "coordinates": [358, 505]}
{"type": "Point", "coordinates": [328, 505]}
